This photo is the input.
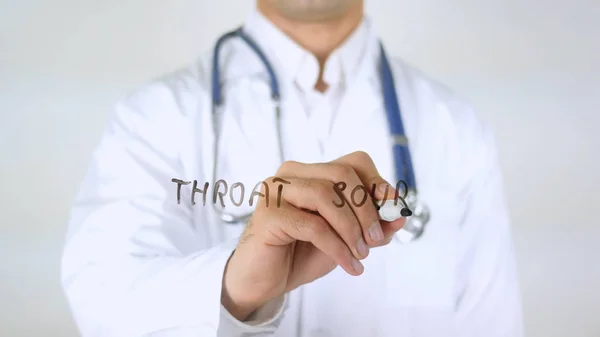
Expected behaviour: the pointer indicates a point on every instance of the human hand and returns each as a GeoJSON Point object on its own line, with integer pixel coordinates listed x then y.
{"type": "Point", "coordinates": [313, 228]}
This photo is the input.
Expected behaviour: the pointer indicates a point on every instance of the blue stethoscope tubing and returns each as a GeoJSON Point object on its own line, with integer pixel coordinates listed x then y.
{"type": "Point", "coordinates": [400, 150]}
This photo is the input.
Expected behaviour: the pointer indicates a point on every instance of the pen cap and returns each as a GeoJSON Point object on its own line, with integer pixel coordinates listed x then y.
{"type": "Point", "coordinates": [392, 210]}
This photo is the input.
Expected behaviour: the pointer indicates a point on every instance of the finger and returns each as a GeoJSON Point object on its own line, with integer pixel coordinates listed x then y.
{"type": "Point", "coordinates": [366, 170]}
{"type": "Point", "coordinates": [350, 190]}
{"type": "Point", "coordinates": [390, 229]}
{"type": "Point", "coordinates": [316, 195]}
{"type": "Point", "coordinates": [381, 190]}
{"type": "Point", "coordinates": [308, 227]}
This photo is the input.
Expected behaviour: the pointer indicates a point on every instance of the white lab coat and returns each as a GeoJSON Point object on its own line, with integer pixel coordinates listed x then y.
{"type": "Point", "coordinates": [137, 263]}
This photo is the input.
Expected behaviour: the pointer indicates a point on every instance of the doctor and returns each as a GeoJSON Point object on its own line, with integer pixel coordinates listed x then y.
{"type": "Point", "coordinates": [138, 262]}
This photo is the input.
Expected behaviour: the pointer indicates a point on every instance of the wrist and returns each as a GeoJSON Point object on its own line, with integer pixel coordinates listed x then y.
{"type": "Point", "coordinates": [240, 311]}
{"type": "Point", "coordinates": [233, 299]}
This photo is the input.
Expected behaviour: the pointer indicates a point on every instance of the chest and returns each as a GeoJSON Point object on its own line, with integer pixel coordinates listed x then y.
{"type": "Point", "coordinates": [405, 287]}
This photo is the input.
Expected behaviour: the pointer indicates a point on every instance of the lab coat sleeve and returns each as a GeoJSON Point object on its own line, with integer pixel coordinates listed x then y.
{"type": "Point", "coordinates": [262, 322]}
{"type": "Point", "coordinates": [488, 300]}
{"type": "Point", "coordinates": [134, 263]}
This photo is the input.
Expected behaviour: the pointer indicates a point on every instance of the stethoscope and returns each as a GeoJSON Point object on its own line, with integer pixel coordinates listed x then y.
{"type": "Point", "coordinates": [415, 224]}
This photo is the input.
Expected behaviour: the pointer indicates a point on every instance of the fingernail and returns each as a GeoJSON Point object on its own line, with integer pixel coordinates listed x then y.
{"type": "Point", "coordinates": [361, 247]}
{"type": "Point", "coordinates": [375, 232]}
{"type": "Point", "coordinates": [387, 191]}
{"type": "Point", "coordinates": [385, 186]}
{"type": "Point", "coordinates": [357, 266]}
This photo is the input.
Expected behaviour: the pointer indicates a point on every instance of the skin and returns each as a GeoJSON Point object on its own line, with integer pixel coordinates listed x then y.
{"type": "Point", "coordinates": [319, 26]}
{"type": "Point", "coordinates": [308, 236]}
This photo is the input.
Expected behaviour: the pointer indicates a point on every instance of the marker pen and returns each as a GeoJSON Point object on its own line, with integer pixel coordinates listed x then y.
{"type": "Point", "coordinates": [392, 211]}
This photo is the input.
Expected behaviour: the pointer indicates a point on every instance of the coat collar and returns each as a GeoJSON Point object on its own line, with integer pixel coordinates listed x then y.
{"type": "Point", "coordinates": [299, 65]}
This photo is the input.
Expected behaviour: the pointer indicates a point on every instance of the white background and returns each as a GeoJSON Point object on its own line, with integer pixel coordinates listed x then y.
{"type": "Point", "coordinates": [531, 67]}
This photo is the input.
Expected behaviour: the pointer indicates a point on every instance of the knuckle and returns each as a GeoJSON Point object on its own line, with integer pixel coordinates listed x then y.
{"type": "Point", "coordinates": [266, 184]}
{"type": "Point", "coordinates": [341, 250]}
{"type": "Point", "coordinates": [294, 223]}
{"type": "Point", "coordinates": [385, 242]}
{"type": "Point", "coordinates": [287, 166]}
{"type": "Point", "coordinates": [305, 183]}
{"type": "Point", "coordinates": [322, 190]}
{"type": "Point", "coordinates": [362, 156]}
{"type": "Point", "coordinates": [341, 172]}
{"type": "Point", "coordinates": [263, 216]}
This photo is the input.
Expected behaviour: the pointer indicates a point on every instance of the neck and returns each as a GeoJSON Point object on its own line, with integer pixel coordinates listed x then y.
{"type": "Point", "coordinates": [319, 38]}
